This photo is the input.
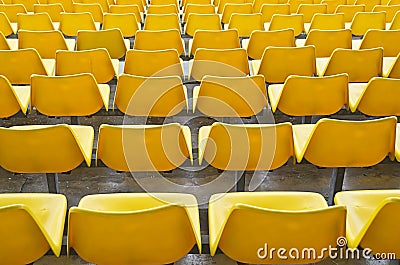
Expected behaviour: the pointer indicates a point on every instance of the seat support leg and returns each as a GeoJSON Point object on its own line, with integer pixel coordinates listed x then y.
{"type": "Point", "coordinates": [336, 183]}
{"type": "Point", "coordinates": [52, 182]}
{"type": "Point", "coordinates": [75, 120]}
{"type": "Point", "coordinates": [240, 177]}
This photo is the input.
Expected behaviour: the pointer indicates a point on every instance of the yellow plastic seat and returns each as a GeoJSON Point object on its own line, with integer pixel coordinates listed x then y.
{"type": "Point", "coordinates": [387, 39]}
{"type": "Point", "coordinates": [31, 225]}
{"type": "Point", "coordinates": [340, 143]}
{"type": "Point", "coordinates": [219, 62]}
{"type": "Point", "coordinates": [110, 39]}
{"type": "Point", "coordinates": [12, 11]}
{"type": "Point", "coordinates": [140, 3]}
{"type": "Point", "coordinates": [13, 98]}
{"type": "Point", "coordinates": [125, 224]}
{"type": "Point", "coordinates": [377, 98]}
{"type": "Point", "coordinates": [268, 10]}
{"type": "Point", "coordinates": [246, 23]}
{"type": "Point", "coordinates": [230, 96]}
{"type": "Point", "coordinates": [6, 27]}
{"type": "Point", "coordinates": [288, 220]}
{"type": "Point", "coordinates": [333, 4]}
{"type": "Point", "coordinates": [259, 40]}
{"type": "Point", "coordinates": [360, 65]}
{"type": "Point", "coordinates": [245, 146]}
{"type": "Point", "coordinates": [162, 9]}
{"type": "Point", "coordinates": [159, 40]}
{"type": "Point", "coordinates": [278, 63]}
{"type": "Point", "coordinates": [67, 4]}
{"type": "Point", "coordinates": [18, 65]}
{"type": "Point", "coordinates": [38, 21]}
{"type": "Point", "coordinates": [257, 4]}
{"type": "Point", "coordinates": [94, 9]}
{"type": "Point", "coordinates": [185, 3]}
{"type": "Point", "coordinates": [153, 63]}
{"type": "Point", "coordinates": [392, 69]}
{"type": "Point", "coordinates": [126, 23]}
{"type": "Point", "coordinates": [53, 10]}
{"type": "Point", "coordinates": [309, 10]}
{"type": "Point", "coordinates": [369, 4]}
{"type": "Point", "coordinates": [45, 148]}
{"type": "Point", "coordinates": [389, 10]}
{"type": "Point", "coordinates": [371, 219]}
{"type": "Point", "coordinates": [47, 43]}
{"type": "Point", "coordinates": [157, 147]}
{"type": "Point", "coordinates": [294, 21]}
{"type": "Point", "coordinates": [326, 41]}
{"type": "Point", "coordinates": [164, 2]}
{"type": "Point", "coordinates": [162, 22]}
{"type": "Point", "coordinates": [395, 24]}
{"type": "Point", "coordinates": [71, 95]}
{"type": "Point", "coordinates": [325, 22]}
{"type": "Point", "coordinates": [229, 9]}
{"type": "Point", "coordinates": [294, 4]}
{"type": "Point", "coordinates": [197, 9]}
{"type": "Point", "coordinates": [364, 21]}
{"type": "Point", "coordinates": [349, 11]}
{"type": "Point", "coordinates": [71, 23]}
{"type": "Point", "coordinates": [4, 43]}
{"type": "Point", "coordinates": [103, 3]}
{"type": "Point", "coordinates": [214, 39]}
{"type": "Point", "coordinates": [221, 4]}
{"type": "Point", "coordinates": [309, 96]}
{"type": "Point", "coordinates": [97, 62]}
{"type": "Point", "coordinates": [126, 9]}
{"type": "Point", "coordinates": [150, 96]}
{"type": "Point", "coordinates": [203, 22]}
{"type": "Point", "coordinates": [28, 4]}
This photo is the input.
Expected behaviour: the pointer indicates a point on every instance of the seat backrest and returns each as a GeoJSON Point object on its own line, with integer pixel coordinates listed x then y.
{"type": "Point", "coordinates": [246, 147]}
{"type": "Point", "coordinates": [96, 62]}
{"type": "Point", "coordinates": [309, 10]}
{"type": "Point", "coordinates": [246, 23]}
{"type": "Point", "coordinates": [157, 147]}
{"type": "Point", "coordinates": [277, 65]}
{"type": "Point", "coordinates": [260, 40]}
{"type": "Point", "coordinates": [363, 21]}
{"type": "Point", "coordinates": [195, 2]}
{"type": "Point", "coordinates": [162, 22]}
{"type": "Point", "coordinates": [5, 25]}
{"type": "Point", "coordinates": [126, 9]}
{"type": "Point", "coordinates": [103, 3]}
{"type": "Point", "coordinates": [38, 21]}
{"type": "Point", "coordinates": [222, 3]}
{"type": "Point", "coordinates": [349, 11]}
{"type": "Point", "coordinates": [327, 22]}
{"type": "Point", "coordinates": [257, 4]}
{"type": "Point", "coordinates": [164, 2]}
{"type": "Point", "coordinates": [71, 23]}
{"type": "Point", "coordinates": [12, 11]}
{"type": "Point", "coordinates": [203, 22]}
{"type": "Point", "coordinates": [229, 9]}
{"type": "Point", "coordinates": [47, 43]}
{"type": "Point", "coordinates": [53, 10]}
{"type": "Point", "coordinates": [215, 39]}
{"type": "Point", "coordinates": [67, 4]}
{"type": "Point", "coordinates": [159, 40]}
{"type": "Point", "coordinates": [360, 65]}
{"type": "Point", "coordinates": [294, 4]}
{"type": "Point", "coordinates": [94, 9]}
{"type": "Point", "coordinates": [28, 4]}
{"type": "Point", "coordinates": [126, 23]}
{"type": "Point", "coordinates": [110, 39]}
{"type": "Point", "coordinates": [150, 96]}
{"type": "Point", "coordinates": [326, 41]}
{"type": "Point", "coordinates": [395, 24]}
{"type": "Point", "coordinates": [387, 39]}
{"type": "Point", "coordinates": [333, 4]}
{"type": "Point", "coordinates": [162, 9]}
{"type": "Point", "coordinates": [268, 10]}
{"type": "Point", "coordinates": [369, 4]}
{"type": "Point", "coordinates": [294, 21]}
{"type": "Point", "coordinates": [198, 9]}
{"type": "Point", "coordinates": [389, 10]}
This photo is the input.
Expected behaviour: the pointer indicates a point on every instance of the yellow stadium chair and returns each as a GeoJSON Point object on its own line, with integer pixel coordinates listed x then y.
{"type": "Point", "coordinates": [332, 5]}
{"type": "Point", "coordinates": [349, 11]}
{"type": "Point", "coordinates": [38, 21]}
{"type": "Point", "coordinates": [70, 95]}
{"type": "Point", "coordinates": [6, 28]}
{"type": "Point", "coordinates": [294, 21]}
{"type": "Point", "coordinates": [245, 146]}
{"type": "Point", "coordinates": [202, 22]}
{"type": "Point", "coordinates": [310, 96]}
{"type": "Point", "coordinates": [12, 11]}
{"type": "Point", "coordinates": [309, 10]}
{"type": "Point", "coordinates": [391, 67]}
{"type": "Point", "coordinates": [157, 147]}
{"type": "Point", "coordinates": [257, 4]}
{"type": "Point", "coordinates": [294, 4]}
{"type": "Point", "coordinates": [369, 4]}
{"type": "Point", "coordinates": [28, 4]}
{"type": "Point", "coordinates": [53, 10]}
{"type": "Point", "coordinates": [395, 24]}
{"type": "Point", "coordinates": [97, 62]}
{"type": "Point", "coordinates": [164, 2]}
{"type": "Point", "coordinates": [18, 66]}
{"type": "Point", "coordinates": [360, 65]}
{"type": "Point", "coordinates": [153, 63]}
{"type": "Point", "coordinates": [230, 96]}
{"type": "Point", "coordinates": [67, 4]}
{"type": "Point", "coordinates": [325, 22]}
{"type": "Point", "coordinates": [45, 148]}
{"type": "Point", "coordinates": [31, 225]}
{"type": "Point", "coordinates": [150, 96]}
{"type": "Point", "coordinates": [371, 216]}
{"type": "Point", "coordinates": [214, 39]}
{"type": "Point", "coordinates": [162, 9]}
{"type": "Point", "coordinates": [390, 11]}
{"type": "Point", "coordinates": [46, 43]}
{"type": "Point", "coordinates": [110, 39]}
{"type": "Point", "coordinates": [326, 41]}
{"type": "Point", "coordinates": [364, 21]}
{"type": "Point", "coordinates": [245, 24]}
{"type": "Point", "coordinates": [288, 220]}
{"type": "Point", "coordinates": [194, 2]}
{"type": "Point", "coordinates": [159, 40]}
{"type": "Point", "coordinates": [162, 22]}
{"type": "Point", "coordinates": [377, 98]}
{"type": "Point", "coordinates": [13, 98]}
{"type": "Point", "coordinates": [94, 9]}
{"type": "Point", "coordinates": [197, 9]}
{"type": "Point", "coordinates": [140, 3]}
{"type": "Point", "coordinates": [229, 9]}
{"type": "Point", "coordinates": [268, 10]}
{"type": "Point", "coordinates": [276, 65]}
{"type": "Point", "coordinates": [126, 23]}
{"type": "Point", "coordinates": [222, 3]}
{"type": "Point", "coordinates": [259, 40]}
{"type": "Point", "coordinates": [387, 39]}
{"type": "Point", "coordinates": [126, 9]}
{"type": "Point", "coordinates": [125, 224]}
{"type": "Point", "coordinates": [219, 62]}
{"type": "Point", "coordinates": [4, 43]}
{"type": "Point", "coordinates": [71, 23]}
{"type": "Point", "coordinates": [103, 3]}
